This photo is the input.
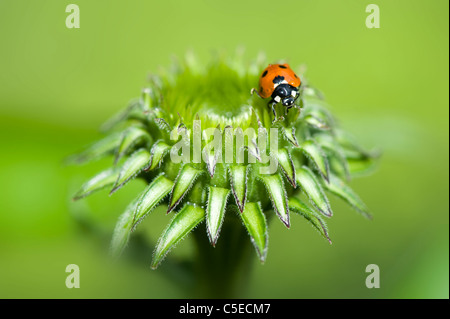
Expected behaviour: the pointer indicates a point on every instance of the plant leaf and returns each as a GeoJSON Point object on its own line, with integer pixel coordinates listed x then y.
{"type": "Point", "coordinates": [155, 192]}
{"type": "Point", "coordinates": [256, 224]}
{"type": "Point", "coordinates": [217, 202]}
{"type": "Point", "coordinates": [342, 190]}
{"type": "Point", "coordinates": [183, 183]}
{"type": "Point", "coordinates": [238, 181]}
{"type": "Point", "coordinates": [181, 225]}
{"type": "Point", "coordinates": [131, 168]}
{"type": "Point", "coordinates": [287, 166]}
{"type": "Point", "coordinates": [299, 207]}
{"type": "Point", "coordinates": [315, 154]}
{"type": "Point", "coordinates": [130, 137]}
{"type": "Point", "coordinates": [99, 181]}
{"type": "Point", "coordinates": [275, 187]}
{"type": "Point", "coordinates": [312, 188]}
{"type": "Point", "coordinates": [97, 150]}
{"type": "Point", "coordinates": [158, 151]}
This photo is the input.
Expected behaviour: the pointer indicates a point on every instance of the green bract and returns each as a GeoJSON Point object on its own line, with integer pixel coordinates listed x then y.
{"type": "Point", "coordinates": [177, 138]}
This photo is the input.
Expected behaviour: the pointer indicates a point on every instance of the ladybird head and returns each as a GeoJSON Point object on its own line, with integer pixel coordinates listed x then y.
{"type": "Point", "coordinates": [286, 94]}
{"type": "Point", "coordinates": [288, 101]}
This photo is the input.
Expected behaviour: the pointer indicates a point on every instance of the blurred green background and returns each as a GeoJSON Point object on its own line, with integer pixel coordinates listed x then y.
{"type": "Point", "coordinates": [387, 86]}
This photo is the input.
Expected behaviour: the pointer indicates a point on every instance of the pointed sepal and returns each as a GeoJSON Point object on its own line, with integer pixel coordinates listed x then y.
{"type": "Point", "coordinates": [310, 185]}
{"type": "Point", "coordinates": [238, 181]}
{"type": "Point", "coordinates": [134, 111]}
{"type": "Point", "coordinates": [183, 183]}
{"type": "Point", "coordinates": [157, 153]}
{"type": "Point", "coordinates": [211, 161]}
{"type": "Point", "coordinates": [97, 150]}
{"type": "Point", "coordinates": [163, 125]}
{"type": "Point", "coordinates": [131, 168]}
{"type": "Point", "coordinates": [181, 225]}
{"type": "Point", "coordinates": [256, 224]}
{"type": "Point", "coordinates": [342, 190]}
{"type": "Point", "coordinates": [317, 115]}
{"type": "Point", "coordinates": [316, 155]}
{"type": "Point", "coordinates": [98, 182]}
{"type": "Point", "coordinates": [215, 211]}
{"type": "Point", "coordinates": [316, 122]}
{"type": "Point", "coordinates": [131, 137]}
{"type": "Point", "coordinates": [361, 166]}
{"type": "Point", "coordinates": [336, 160]}
{"type": "Point", "coordinates": [299, 207]}
{"type": "Point", "coordinates": [122, 230]}
{"type": "Point", "coordinates": [289, 134]}
{"type": "Point", "coordinates": [152, 196]}
{"type": "Point", "coordinates": [277, 193]}
{"type": "Point", "coordinates": [253, 149]}
{"type": "Point", "coordinates": [287, 166]}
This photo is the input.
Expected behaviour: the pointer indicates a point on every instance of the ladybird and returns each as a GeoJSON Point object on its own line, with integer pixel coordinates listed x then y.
{"type": "Point", "coordinates": [279, 82]}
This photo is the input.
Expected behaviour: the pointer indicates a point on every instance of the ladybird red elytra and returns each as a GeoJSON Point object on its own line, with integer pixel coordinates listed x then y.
{"type": "Point", "coordinates": [279, 82]}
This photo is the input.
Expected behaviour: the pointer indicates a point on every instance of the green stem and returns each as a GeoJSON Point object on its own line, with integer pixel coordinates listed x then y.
{"type": "Point", "coordinates": [223, 271]}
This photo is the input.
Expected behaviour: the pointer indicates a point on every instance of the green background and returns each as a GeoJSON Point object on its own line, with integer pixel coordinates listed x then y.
{"type": "Point", "coordinates": [387, 86]}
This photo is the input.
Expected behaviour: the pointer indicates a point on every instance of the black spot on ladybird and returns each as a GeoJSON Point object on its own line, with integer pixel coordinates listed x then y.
{"type": "Point", "coordinates": [296, 75]}
{"type": "Point", "coordinates": [278, 79]}
{"type": "Point", "coordinates": [264, 74]}
{"type": "Point", "coordinates": [282, 66]}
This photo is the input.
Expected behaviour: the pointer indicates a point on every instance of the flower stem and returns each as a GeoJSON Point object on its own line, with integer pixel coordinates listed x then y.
{"type": "Point", "coordinates": [223, 271]}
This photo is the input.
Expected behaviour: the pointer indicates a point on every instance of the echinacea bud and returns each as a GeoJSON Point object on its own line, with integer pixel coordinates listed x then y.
{"type": "Point", "coordinates": [208, 148]}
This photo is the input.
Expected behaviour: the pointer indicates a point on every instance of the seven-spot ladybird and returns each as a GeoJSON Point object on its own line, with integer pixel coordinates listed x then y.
{"type": "Point", "coordinates": [281, 83]}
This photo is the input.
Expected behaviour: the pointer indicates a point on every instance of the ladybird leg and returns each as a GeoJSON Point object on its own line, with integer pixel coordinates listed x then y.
{"type": "Point", "coordinates": [288, 108]}
{"type": "Point", "coordinates": [272, 104]}
{"type": "Point", "coordinates": [253, 90]}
